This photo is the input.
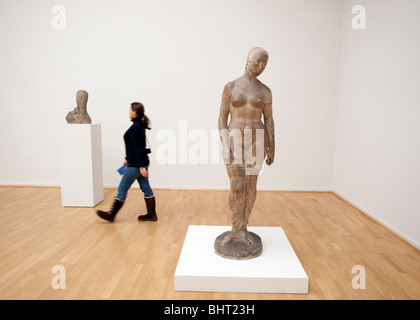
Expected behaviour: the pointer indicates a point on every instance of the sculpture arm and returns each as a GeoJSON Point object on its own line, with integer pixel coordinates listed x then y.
{"type": "Point", "coordinates": [269, 126]}
{"type": "Point", "coordinates": [223, 119]}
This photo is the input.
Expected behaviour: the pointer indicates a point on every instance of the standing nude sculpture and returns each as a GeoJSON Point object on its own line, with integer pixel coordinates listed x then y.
{"type": "Point", "coordinates": [246, 100]}
{"type": "Point", "coordinates": [80, 114]}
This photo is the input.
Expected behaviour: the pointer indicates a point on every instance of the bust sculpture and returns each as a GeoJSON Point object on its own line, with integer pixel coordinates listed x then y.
{"type": "Point", "coordinates": [246, 100]}
{"type": "Point", "coordinates": [79, 114]}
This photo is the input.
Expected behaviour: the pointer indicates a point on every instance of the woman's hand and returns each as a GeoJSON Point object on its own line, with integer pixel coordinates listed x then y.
{"type": "Point", "coordinates": [125, 162]}
{"type": "Point", "coordinates": [144, 172]}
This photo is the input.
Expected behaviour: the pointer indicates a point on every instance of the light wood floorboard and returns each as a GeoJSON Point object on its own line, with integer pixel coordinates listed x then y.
{"type": "Point", "coordinates": [133, 260]}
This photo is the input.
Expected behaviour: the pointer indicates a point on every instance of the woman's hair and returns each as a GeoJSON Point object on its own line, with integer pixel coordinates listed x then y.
{"type": "Point", "coordinates": [253, 52]}
{"type": "Point", "coordinates": [138, 108]}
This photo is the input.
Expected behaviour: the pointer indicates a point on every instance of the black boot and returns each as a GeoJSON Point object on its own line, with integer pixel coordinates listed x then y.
{"type": "Point", "coordinates": [110, 215]}
{"type": "Point", "coordinates": [151, 210]}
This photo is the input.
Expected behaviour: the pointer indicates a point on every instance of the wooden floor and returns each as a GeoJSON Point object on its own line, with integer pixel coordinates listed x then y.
{"type": "Point", "coordinates": [133, 260]}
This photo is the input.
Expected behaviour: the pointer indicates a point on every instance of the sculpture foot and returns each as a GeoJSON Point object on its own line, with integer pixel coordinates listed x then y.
{"type": "Point", "coordinates": [228, 239]}
{"type": "Point", "coordinates": [238, 245]}
{"type": "Point", "coordinates": [245, 236]}
{"type": "Point", "coordinates": [242, 235]}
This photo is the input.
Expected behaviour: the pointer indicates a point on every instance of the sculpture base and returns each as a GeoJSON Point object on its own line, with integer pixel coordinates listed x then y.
{"type": "Point", "coordinates": [81, 165]}
{"type": "Point", "coordinates": [238, 249]}
{"type": "Point", "coordinates": [277, 270]}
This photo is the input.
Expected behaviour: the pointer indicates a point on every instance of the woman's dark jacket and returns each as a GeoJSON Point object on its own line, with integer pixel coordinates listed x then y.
{"type": "Point", "coordinates": [135, 145]}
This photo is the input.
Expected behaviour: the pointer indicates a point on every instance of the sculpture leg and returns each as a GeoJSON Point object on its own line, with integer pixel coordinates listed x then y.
{"type": "Point", "coordinates": [251, 194]}
{"type": "Point", "coordinates": [252, 171]}
{"type": "Point", "coordinates": [237, 201]}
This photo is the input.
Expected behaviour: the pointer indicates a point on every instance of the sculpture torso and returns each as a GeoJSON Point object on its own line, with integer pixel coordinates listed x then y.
{"type": "Point", "coordinates": [246, 104]}
{"type": "Point", "coordinates": [246, 108]}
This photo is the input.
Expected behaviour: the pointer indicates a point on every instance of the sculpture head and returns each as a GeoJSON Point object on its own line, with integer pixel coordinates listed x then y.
{"type": "Point", "coordinates": [81, 99]}
{"type": "Point", "coordinates": [256, 61]}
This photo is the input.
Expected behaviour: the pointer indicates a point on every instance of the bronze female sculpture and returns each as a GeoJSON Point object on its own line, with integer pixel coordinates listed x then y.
{"type": "Point", "coordinates": [246, 100]}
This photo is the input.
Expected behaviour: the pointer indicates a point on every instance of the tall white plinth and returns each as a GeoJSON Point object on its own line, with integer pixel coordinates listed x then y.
{"type": "Point", "coordinates": [81, 165]}
{"type": "Point", "coordinates": [277, 270]}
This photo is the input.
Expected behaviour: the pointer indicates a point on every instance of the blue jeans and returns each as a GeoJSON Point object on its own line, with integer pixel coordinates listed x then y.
{"type": "Point", "coordinates": [130, 175]}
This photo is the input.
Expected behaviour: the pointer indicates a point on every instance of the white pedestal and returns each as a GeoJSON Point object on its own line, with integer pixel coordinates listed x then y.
{"type": "Point", "coordinates": [277, 270]}
{"type": "Point", "coordinates": [81, 165]}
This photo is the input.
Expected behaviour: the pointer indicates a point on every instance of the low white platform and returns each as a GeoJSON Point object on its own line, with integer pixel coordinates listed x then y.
{"type": "Point", "coordinates": [81, 165]}
{"type": "Point", "coordinates": [277, 270]}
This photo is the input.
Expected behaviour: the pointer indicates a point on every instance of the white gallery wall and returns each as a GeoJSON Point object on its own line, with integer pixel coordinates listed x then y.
{"type": "Point", "coordinates": [345, 101]}
{"type": "Point", "coordinates": [175, 57]}
{"type": "Point", "coordinates": [377, 150]}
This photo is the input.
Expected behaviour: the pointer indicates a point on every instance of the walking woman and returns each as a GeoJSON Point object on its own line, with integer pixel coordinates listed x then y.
{"type": "Point", "coordinates": [137, 164]}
